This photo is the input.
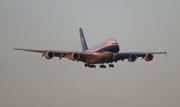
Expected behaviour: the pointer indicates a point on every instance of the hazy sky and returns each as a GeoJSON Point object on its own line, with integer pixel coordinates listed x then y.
{"type": "Point", "coordinates": [28, 80]}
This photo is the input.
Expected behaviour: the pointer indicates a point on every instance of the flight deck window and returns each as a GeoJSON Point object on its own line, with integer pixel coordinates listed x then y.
{"type": "Point", "coordinates": [114, 44]}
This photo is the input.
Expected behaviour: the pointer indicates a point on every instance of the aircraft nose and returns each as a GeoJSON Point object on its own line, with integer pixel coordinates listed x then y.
{"type": "Point", "coordinates": [118, 49]}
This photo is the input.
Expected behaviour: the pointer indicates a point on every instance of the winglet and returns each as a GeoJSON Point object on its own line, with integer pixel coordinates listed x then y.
{"type": "Point", "coordinates": [14, 49]}
{"type": "Point", "coordinates": [165, 52]}
{"type": "Point", "coordinates": [83, 40]}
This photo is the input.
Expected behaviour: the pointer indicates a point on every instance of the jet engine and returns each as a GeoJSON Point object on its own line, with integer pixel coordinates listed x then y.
{"type": "Point", "coordinates": [132, 58]}
{"type": "Point", "coordinates": [74, 56]}
{"type": "Point", "coordinates": [49, 55]}
{"type": "Point", "coordinates": [149, 57]}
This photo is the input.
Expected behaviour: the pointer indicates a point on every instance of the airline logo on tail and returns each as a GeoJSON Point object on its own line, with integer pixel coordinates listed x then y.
{"type": "Point", "coordinates": [83, 41]}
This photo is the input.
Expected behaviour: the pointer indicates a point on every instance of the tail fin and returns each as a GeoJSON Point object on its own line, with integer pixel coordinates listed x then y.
{"type": "Point", "coordinates": [83, 40]}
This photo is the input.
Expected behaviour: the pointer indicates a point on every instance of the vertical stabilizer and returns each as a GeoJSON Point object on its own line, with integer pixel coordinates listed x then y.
{"type": "Point", "coordinates": [83, 40]}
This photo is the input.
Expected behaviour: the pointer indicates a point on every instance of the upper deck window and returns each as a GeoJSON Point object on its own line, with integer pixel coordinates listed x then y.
{"type": "Point", "coordinates": [114, 44]}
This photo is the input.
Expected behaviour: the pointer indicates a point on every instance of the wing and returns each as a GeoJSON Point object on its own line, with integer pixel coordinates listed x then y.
{"type": "Point", "coordinates": [49, 54]}
{"type": "Point", "coordinates": [132, 56]}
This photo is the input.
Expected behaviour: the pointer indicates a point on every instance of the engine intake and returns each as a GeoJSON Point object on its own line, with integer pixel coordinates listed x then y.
{"type": "Point", "coordinates": [132, 58]}
{"type": "Point", "coordinates": [149, 57]}
{"type": "Point", "coordinates": [74, 56]}
{"type": "Point", "coordinates": [49, 55]}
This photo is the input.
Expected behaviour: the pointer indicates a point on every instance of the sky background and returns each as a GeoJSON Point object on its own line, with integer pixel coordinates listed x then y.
{"type": "Point", "coordinates": [28, 80]}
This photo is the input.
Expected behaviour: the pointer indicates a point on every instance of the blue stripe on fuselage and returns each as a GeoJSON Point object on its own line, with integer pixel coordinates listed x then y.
{"type": "Point", "coordinates": [111, 48]}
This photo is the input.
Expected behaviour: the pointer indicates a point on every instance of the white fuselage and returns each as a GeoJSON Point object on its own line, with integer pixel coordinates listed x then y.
{"type": "Point", "coordinates": [103, 52]}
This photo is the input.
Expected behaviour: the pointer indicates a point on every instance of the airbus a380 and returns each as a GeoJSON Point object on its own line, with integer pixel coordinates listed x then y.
{"type": "Point", "coordinates": [106, 52]}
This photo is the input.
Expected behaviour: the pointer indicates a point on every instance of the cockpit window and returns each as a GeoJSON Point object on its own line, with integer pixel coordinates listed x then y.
{"type": "Point", "coordinates": [114, 44]}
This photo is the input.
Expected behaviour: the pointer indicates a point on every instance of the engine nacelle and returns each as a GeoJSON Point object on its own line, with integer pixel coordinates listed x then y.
{"type": "Point", "coordinates": [74, 56]}
{"type": "Point", "coordinates": [49, 55]}
{"type": "Point", "coordinates": [149, 57]}
{"type": "Point", "coordinates": [132, 58]}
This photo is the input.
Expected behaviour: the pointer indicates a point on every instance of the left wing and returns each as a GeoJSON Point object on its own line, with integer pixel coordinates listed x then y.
{"type": "Point", "coordinates": [132, 56]}
{"type": "Point", "coordinates": [49, 54]}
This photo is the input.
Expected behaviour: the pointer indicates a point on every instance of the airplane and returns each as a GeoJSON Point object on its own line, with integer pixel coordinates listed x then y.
{"type": "Point", "coordinates": [106, 52]}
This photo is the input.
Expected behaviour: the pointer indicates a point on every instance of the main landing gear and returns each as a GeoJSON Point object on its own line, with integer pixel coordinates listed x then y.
{"type": "Point", "coordinates": [90, 66]}
{"type": "Point", "coordinates": [100, 66]}
{"type": "Point", "coordinates": [111, 65]}
{"type": "Point", "coordinates": [104, 66]}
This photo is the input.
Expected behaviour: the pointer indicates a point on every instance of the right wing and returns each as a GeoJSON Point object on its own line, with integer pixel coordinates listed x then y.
{"type": "Point", "coordinates": [49, 54]}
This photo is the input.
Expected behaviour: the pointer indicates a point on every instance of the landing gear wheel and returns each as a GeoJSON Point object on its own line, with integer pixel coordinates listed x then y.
{"type": "Point", "coordinates": [111, 65]}
{"type": "Point", "coordinates": [86, 65]}
{"type": "Point", "coordinates": [102, 66]}
{"type": "Point", "coordinates": [90, 65]}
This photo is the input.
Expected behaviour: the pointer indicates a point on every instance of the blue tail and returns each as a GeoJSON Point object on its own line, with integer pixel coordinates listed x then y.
{"type": "Point", "coordinates": [83, 40]}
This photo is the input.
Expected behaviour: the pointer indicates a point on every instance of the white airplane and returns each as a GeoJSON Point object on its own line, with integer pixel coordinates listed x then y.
{"type": "Point", "coordinates": [105, 52]}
